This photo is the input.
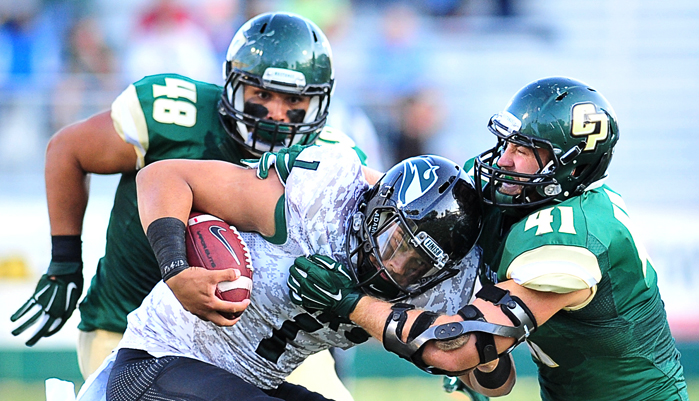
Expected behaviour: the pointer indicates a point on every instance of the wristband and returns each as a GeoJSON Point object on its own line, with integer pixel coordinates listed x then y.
{"type": "Point", "coordinates": [66, 248]}
{"type": "Point", "coordinates": [66, 255]}
{"type": "Point", "coordinates": [166, 237]}
{"type": "Point", "coordinates": [498, 376]}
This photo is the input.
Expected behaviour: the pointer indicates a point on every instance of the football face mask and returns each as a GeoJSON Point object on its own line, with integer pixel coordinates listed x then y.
{"type": "Point", "coordinates": [403, 258]}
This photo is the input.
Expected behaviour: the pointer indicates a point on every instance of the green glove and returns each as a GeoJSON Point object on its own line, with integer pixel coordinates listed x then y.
{"type": "Point", "coordinates": [318, 282]}
{"type": "Point", "coordinates": [283, 160]}
{"type": "Point", "coordinates": [451, 384]}
{"type": "Point", "coordinates": [54, 300]}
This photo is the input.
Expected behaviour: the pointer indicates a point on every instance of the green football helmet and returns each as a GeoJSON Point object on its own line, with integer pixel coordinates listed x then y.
{"type": "Point", "coordinates": [566, 117]}
{"type": "Point", "coordinates": [279, 52]}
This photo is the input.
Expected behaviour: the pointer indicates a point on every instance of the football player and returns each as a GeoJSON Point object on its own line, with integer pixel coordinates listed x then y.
{"type": "Point", "coordinates": [561, 267]}
{"type": "Point", "coordinates": [412, 230]}
{"type": "Point", "coordinates": [278, 83]}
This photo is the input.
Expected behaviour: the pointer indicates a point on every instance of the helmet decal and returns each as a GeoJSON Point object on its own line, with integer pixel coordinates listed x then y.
{"type": "Point", "coordinates": [418, 177]}
{"type": "Point", "coordinates": [283, 78]}
{"type": "Point", "coordinates": [586, 121]}
{"type": "Point", "coordinates": [509, 124]}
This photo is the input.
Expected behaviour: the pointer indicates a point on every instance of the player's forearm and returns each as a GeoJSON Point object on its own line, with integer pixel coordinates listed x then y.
{"type": "Point", "coordinates": [454, 356]}
{"type": "Point", "coordinates": [88, 146]}
{"type": "Point", "coordinates": [67, 189]}
{"type": "Point", "coordinates": [163, 192]}
{"type": "Point", "coordinates": [371, 313]}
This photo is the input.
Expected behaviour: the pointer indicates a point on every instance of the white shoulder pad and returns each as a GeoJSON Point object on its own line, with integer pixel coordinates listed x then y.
{"type": "Point", "coordinates": [130, 122]}
{"type": "Point", "coordinates": [556, 268]}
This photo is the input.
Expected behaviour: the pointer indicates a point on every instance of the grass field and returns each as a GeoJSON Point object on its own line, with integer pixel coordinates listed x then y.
{"type": "Point", "coordinates": [430, 389]}
{"type": "Point", "coordinates": [366, 389]}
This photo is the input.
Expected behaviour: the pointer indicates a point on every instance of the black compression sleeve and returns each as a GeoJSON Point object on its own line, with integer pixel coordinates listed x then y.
{"type": "Point", "coordinates": [166, 237]}
{"type": "Point", "coordinates": [497, 377]}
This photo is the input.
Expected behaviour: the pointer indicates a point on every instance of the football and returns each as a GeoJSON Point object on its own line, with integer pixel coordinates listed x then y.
{"type": "Point", "coordinates": [214, 245]}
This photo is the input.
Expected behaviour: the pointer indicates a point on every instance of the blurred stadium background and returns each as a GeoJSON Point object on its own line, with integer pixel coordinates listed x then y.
{"type": "Point", "coordinates": [443, 67]}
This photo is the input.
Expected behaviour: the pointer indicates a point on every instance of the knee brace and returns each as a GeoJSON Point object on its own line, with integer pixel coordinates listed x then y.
{"type": "Point", "coordinates": [474, 322]}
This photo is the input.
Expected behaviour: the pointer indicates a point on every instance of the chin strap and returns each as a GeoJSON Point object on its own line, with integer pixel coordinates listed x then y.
{"type": "Point", "coordinates": [474, 322]}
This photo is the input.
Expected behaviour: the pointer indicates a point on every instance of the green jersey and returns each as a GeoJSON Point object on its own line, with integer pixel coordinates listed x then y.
{"type": "Point", "coordinates": [164, 117]}
{"type": "Point", "coordinates": [617, 344]}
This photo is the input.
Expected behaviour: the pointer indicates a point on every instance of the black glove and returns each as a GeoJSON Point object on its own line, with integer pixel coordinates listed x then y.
{"type": "Point", "coordinates": [57, 293]}
{"type": "Point", "coordinates": [318, 282]}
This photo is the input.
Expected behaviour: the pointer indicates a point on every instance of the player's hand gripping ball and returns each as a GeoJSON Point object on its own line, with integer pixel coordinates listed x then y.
{"type": "Point", "coordinates": [214, 245]}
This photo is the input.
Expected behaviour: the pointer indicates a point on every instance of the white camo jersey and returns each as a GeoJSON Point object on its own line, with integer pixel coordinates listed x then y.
{"type": "Point", "coordinates": [274, 336]}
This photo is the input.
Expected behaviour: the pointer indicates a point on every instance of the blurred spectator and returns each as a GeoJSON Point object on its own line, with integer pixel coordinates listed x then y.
{"type": "Point", "coordinates": [90, 83]}
{"type": "Point", "coordinates": [29, 43]}
{"type": "Point", "coordinates": [356, 124]}
{"type": "Point", "coordinates": [505, 8]}
{"type": "Point", "coordinates": [420, 117]}
{"type": "Point", "coordinates": [398, 62]}
{"type": "Point", "coordinates": [442, 8]}
{"type": "Point", "coordinates": [256, 7]}
{"type": "Point", "coordinates": [29, 63]}
{"type": "Point", "coordinates": [167, 39]}
{"type": "Point", "coordinates": [221, 19]}
{"type": "Point", "coordinates": [395, 65]}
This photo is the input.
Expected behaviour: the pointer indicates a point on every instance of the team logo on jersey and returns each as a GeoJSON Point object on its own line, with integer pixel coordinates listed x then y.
{"type": "Point", "coordinates": [418, 177]}
{"type": "Point", "coordinates": [216, 232]}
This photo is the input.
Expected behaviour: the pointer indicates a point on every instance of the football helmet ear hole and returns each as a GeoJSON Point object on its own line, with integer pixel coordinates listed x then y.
{"type": "Point", "coordinates": [580, 170]}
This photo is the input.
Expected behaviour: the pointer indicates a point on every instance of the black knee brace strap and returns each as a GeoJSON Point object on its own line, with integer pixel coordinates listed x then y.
{"type": "Point", "coordinates": [485, 342]}
{"type": "Point", "coordinates": [393, 331]}
{"type": "Point", "coordinates": [509, 304]}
